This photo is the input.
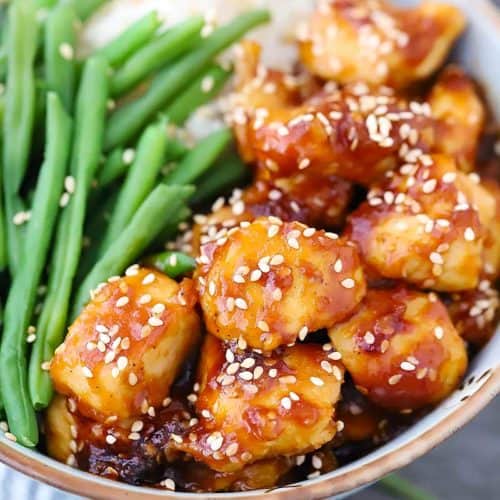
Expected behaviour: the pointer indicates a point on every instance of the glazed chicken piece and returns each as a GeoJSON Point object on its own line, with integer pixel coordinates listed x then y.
{"type": "Point", "coordinates": [491, 252]}
{"type": "Point", "coordinates": [269, 283]}
{"type": "Point", "coordinates": [253, 407]}
{"type": "Point", "coordinates": [426, 225]}
{"type": "Point", "coordinates": [475, 312]}
{"type": "Point", "coordinates": [143, 452]}
{"type": "Point", "coordinates": [125, 349]}
{"type": "Point", "coordinates": [318, 201]}
{"type": "Point", "coordinates": [459, 115]}
{"type": "Point", "coordinates": [375, 42]}
{"type": "Point", "coordinates": [356, 133]}
{"type": "Point", "coordinates": [401, 349]}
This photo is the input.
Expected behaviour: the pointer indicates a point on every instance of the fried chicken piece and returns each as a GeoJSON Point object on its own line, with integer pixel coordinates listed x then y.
{"type": "Point", "coordinates": [253, 407]}
{"type": "Point", "coordinates": [459, 115]}
{"type": "Point", "coordinates": [401, 349]}
{"type": "Point", "coordinates": [378, 43]}
{"type": "Point", "coordinates": [426, 225]}
{"type": "Point", "coordinates": [269, 283]}
{"type": "Point", "coordinates": [474, 313]}
{"type": "Point", "coordinates": [123, 352]}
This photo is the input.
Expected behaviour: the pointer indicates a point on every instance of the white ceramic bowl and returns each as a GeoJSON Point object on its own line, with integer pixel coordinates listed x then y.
{"type": "Point", "coordinates": [479, 52]}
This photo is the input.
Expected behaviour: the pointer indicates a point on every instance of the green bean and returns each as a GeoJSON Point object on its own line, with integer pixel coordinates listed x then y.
{"type": "Point", "coordinates": [156, 54]}
{"type": "Point", "coordinates": [127, 121]}
{"type": "Point", "coordinates": [131, 40]}
{"type": "Point", "coordinates": [19, 113]}
{"type": "Point", "coordinates": [161, 205]}
{"type": "Point", "coordinates": [140, 180]}
{"type": "Point", "coordinates": [173, 264]}
{"type": "Point", "coordinates": [203, 90]}
{"type": "Point", "coordinates": [86, 153]}
{"type": "Point", "coordinates": [60, 39]}
{"type": "Point", "coordinates": [227, 173]}
{"type": "Point", "coordinates": [116, 167]}
{"type": "Point", "coordinates": [200, 158]}
{"type": "Point", "coordinates": [22, 295]}
{"type": "Point", "coordinates": [399, 487]}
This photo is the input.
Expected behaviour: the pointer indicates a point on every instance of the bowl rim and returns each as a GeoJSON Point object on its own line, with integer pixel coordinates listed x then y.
{"type": "Point", "coordinates": [47, 470]}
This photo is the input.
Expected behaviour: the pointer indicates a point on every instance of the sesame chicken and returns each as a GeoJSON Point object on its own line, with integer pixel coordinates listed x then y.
{"type": "Point", "coordinates": [459, 115]}
{"type": "Point", "coordinates": [318, 201]}
{"type": "Point", "coordinates": [356, 132]}
{"type": "Point", "coordinates": [128, 344]}
{"type": "Point", "coordinates": [253, 407]}
{"type": "Point", "coordinates": [425, 225]}
{"type": "Point", "coordinates": [270, 283]}
{"type": "Point", "coordinates": [401, 349]}
{"type": "Point", "coordinates": [475, 313]}
{"type": "Point", "coordinates": [376, 42]}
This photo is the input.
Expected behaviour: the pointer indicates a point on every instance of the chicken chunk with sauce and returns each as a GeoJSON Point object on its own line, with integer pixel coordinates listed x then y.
{"type": "Point", "coordinates": [426, 225]}
{"type": "Point", "coordinates": [269, 283]}
{"type": "Point", "coordinates": [459, 115]}
{"type": "Point", "coordinates": [376, 42]}
{"type": "Point", "coordinates": [253, 407]}
{"type": "Point", "coordinates": [123, 352]}
{"type": "Point", "coordinates": [401, 349]}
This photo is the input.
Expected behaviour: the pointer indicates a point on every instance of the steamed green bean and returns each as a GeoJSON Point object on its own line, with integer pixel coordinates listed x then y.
{"type": "Point", "coordinates": [126, 122]}
{"type": "Point", "coordinates": [22, 294]}
{"type": "Point", "coordinates": [162, 204]}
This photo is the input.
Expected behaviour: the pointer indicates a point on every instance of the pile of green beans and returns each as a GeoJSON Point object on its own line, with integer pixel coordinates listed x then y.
{"type": "Point", "coordinates": [97, 160]}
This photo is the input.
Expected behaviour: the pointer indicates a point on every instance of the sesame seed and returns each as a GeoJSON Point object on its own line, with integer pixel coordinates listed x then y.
{"type": "Point", "coordinates": [231, 450]}
{"type": "Point", "coordinates": [337, 267]}
{"type": "Point", "coordinates": [155, 321]}
{"type": "Point", "coordinates": [335, 356]}
{"type": "Point", "coordinates": [66, 51]}
{"type": "Point", "coordinates": [304, 163]}
{"type": "Point", "coordinates": [314, 474]}
{"type": "Point", "coordinates": [332, 236]}
{"type": "Point", "coordinates": [293, 243]}
{"type": "Point", "coordinates": [176, 438]}
{"type": "Point", "coordinates": [241, 303]}
{"type": "Point", "coordinates": [169, 484]}
{"type": "Point", "coordinates": [207, 83]}
{"type": "Point", "coordinates": [229, 356]}
{"type": "Point", "coordinates": [369, 338]}
{"type": "Point", "coordinates": [109, 357]}
{"type": "Point", "coordinates": [277, 259]}
{"type": "Point", "coordinates": [128, 156]}
{"type": "Point", "coordinates": [429, 186]}
{"type": "Point", "coordinates": [288, 379]}
{"type": "Point", "coordinates": [87, 372]}
{"type": "Point", "coordinates": [255, 275]}
{"type": "Point", "coordinates": [232, 368]}
{"type": "Point", "coordinates": [122, 301]}
{"type": "Point", "coordinates": [407, 366]}
{"type": "Point", "coordinates": [134, 436]}
{"type": "Point", "coordinates": [144, 299]}
{"type": "Point", "coordinates": [395, 379]}
{"type": "Point", "coordinates": [286, 403]}
{"type": "Point", "coordinates": [246, 375]}
{"type": "Point", "coordinates": [436, 258]}
{"type": "Point", "coordinates": [308, 232]}
{"type": "Point", "coordinates": [469, 234]}
{"type": "Point", "coordinates": [10, 436]}
{"type": "Point", "coordinates": [148, 279]}
{"type": "Point", "coordinates": [110, 439]}
{"type": "Point", "coordinates": [258, 372]}
{"type": "Point", "coordinates": [449, 177]}
{"type": "Point", "coordinates": [348, 283]}
{"type": "Point", "coordinates": [227, 380]}
{"type": "Point", "coordinates": [248, 363]}
{"type": "Point", "coordinates": [337, 373]}
{"type": "Point", "coordinates": [272, 231]}
{"type": "Point", "coordinates": [64, 200]}
{"type": "Point", "coordinates": [122, 362]}
{"type": "Point", "coordinates": [340, 425]}
{"type": "Point", "coordinates": [262, 325]}
{"type": "Point", "coordinates": [277, 294]}
{"type": "Point", "coordinates": [31, 338]}
{"type": "Point", "coordinates": [70, 184]}
{"type": "Point", "coordinates": [215, 441]}
{"type": "Point", "coordinates": [303, 332]}
{"type": "Point", "coordinates": [439, 332]}
{"type": "Point", "coordinates": [115, 372]}
{"type": "Point", "coordinates": [45, 366]}
{"type": "Point", "coordinates": [317, 381]}
{"type": "Point", "coordinates": [273, 373]}
{"type": "Point", "coordinates": [316, 461]}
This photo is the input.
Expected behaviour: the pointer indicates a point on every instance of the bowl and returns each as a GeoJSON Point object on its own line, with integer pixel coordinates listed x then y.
{"type": "Point", "coordinates": [479, 52]}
